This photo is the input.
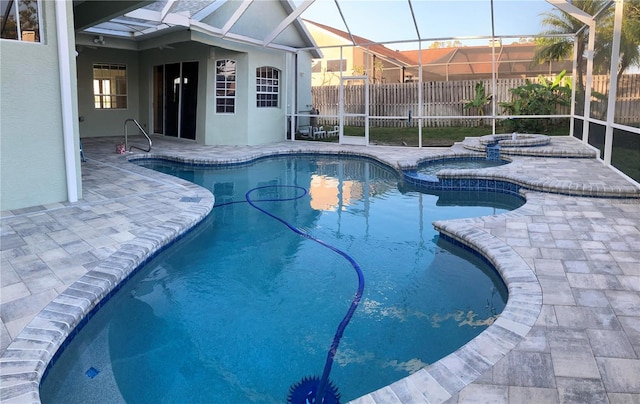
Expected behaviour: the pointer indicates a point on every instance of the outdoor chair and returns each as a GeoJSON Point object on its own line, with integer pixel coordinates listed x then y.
{"type": "Point", "coordinates": [318, 133]}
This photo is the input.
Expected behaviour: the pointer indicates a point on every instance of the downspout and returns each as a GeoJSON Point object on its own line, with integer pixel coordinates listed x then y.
{"type": "Point", "coordinates": [66, 100]}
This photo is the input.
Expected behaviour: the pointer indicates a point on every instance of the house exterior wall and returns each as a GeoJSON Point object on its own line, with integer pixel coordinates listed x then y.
{"type": "Point", "coordinates": [175, 53]}
{"type": "Point", "coordinates": [229, 128]}
{"type": "Point", "coordinates": [324, 38]}
{"type": "Point", "coordinates": [300, 79]}
{"type": "Point", "coordinates": [267, 124]}
{"type": "Point", "coordinates": [32, 152]}
{"type": "Point", "coordinates": [249, 125]}
{"type": "Point", "coordinates": [332, 78]}
{"type": "Point", "coordinates": [32, 159]}
{"type": "Point", "coordinates": [106, 122]}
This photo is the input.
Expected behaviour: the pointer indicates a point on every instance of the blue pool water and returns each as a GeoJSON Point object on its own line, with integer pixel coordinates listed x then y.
{"type": "Point", "coordinates": [432, 167]}
{"type": "Point", "coordinates": [242, 307]}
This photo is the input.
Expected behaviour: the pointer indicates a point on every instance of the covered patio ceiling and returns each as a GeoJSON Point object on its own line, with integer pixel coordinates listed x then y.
{"type": "Point", "coordinates": [404, 21]}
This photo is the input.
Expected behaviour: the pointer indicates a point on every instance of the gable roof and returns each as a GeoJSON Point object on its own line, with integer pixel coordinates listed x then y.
{"type": "Point", "coordinates": [135, 21]}
{"type": "Point", "coordinates": [512, 59]}
{"type": "Point", "coordinates": [392, 56]}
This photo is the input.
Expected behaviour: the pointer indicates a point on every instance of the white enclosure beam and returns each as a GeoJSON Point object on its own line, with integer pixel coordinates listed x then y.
{"type": "Point", "coordinates": [177, 19]}
{"type": "Point", "coordinates": [287, 21]}
{"type": "Point", "coordinates": [415, 23]}
{"type": "Point", "coordinates": [346, 26]}
{"type": "Point", "coordinates": [167, 7]}
{"type": "Point", "coordinates": [589, 81]}
{"type": "Point", "coordinates": [103, 31]}
{"type": "Point", "coordinates": [132, 22]}
{"type": "Point", "coordinates": [572, 10]}
{"type": "Point", "coordinates": [144, 14]}
{"type": "Point", "coordinates": [613, 81]}
{"type": "Point", "coordinates": [574, 75]}
{"type": "Point", "coordinates": [236, 16]}
{"type": "Point", "coordinates": [216, 32]}
{"type": "Point", "coordinates": [208, 10]}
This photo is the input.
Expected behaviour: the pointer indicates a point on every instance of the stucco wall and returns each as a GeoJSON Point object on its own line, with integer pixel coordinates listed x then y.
{"type": "Point", "coordinates": [174, 53]}
{"type": "Point", "coordinates": [229, 129]}
{"type": "Point", "coordinates": [268, 124]}
{"type": "Point", "coordinates": [105, 122]}
{"type": "Point", "coordinates": [32, 164]}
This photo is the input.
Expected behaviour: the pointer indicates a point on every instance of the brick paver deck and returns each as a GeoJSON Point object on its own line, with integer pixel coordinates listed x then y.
{"type": "Point", "coordinates": [570, 332]}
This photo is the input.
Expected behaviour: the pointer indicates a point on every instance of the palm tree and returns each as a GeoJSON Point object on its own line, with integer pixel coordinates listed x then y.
{"type": "Point", "coordinates": [559, 48]}
{"type": "Point", "coordinates": [629, 39]}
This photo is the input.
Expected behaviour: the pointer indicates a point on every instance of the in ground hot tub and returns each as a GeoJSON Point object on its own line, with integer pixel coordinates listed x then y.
{"type": "Point", "coordinates": [431, 167]}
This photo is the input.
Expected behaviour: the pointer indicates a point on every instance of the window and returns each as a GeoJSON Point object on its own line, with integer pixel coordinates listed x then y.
{"type": "Point", "coordinates": [267, 87]}
{"type": "Point", "coordinates": [337, 65]}
{"type": "Point", "coordinates": [316, 66]}
{"type": "Point", "coordinates": [110, 86]}
{"type": "Point", "coordinates": [23, 25]}
{"type": "Point", "coordinates": [226, 86]}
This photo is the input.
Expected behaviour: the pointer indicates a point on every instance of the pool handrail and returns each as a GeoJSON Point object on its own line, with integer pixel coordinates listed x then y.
{"type": "Point", "coordinates": [141, 130]}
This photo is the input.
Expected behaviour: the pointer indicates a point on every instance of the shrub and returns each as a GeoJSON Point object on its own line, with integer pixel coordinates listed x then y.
{"type": "Point", "coordinates": [542, 98]}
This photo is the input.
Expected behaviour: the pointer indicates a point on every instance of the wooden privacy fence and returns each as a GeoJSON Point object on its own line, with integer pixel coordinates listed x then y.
{"type": "Point", "coordinates": [627, 99]}
{"type": "Point", "coordinates": [448, 98]}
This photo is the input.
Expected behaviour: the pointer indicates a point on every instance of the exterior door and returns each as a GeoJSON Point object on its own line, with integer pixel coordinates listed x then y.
{"type": "Point", "coordinates": [354, 110]}
{"type": "Point", "coordinates": [175, 96]}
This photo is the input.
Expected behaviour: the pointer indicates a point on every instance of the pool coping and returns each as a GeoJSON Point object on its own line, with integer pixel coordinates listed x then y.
{"type": "Point", "coordinates": [438, 382]}
{"type": "Point", "coordinates": [25, 361]}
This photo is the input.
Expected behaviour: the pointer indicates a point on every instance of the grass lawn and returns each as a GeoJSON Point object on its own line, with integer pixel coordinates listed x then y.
{"type": "Point", "coordinates": [626, 154]}
{"type": "Point", "coordinates": [435, 137]}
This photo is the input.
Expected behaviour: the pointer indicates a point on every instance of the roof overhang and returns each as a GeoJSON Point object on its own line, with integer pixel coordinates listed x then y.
{"type": "Point", "coordinates": [141, 20]}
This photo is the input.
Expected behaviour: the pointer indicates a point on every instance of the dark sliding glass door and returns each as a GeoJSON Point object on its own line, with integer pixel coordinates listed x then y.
{"type": "Point", "coordinates": [175, 96]}
{"type": "Point", "coordinates": [189, 97]}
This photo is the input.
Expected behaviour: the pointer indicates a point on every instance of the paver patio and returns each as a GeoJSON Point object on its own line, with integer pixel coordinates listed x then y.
{"type": "Point", "coordinates": [570, 332]}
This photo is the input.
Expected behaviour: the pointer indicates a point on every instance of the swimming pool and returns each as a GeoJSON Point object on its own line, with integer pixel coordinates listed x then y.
{"type": "Point", "coordinates": [432, 167]}
{"type": "Point", "coordinates": [242, 308]}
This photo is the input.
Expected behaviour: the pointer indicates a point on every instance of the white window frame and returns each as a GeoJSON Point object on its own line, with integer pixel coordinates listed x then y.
{"type": "Point", "coordinates": [267, 87]}
{"type": "Point", "coordinates": [105, 89]}
{"type": "Point", "coordinates": [226, 86]}
{"type": "Point", "coordinates": [40, 31]}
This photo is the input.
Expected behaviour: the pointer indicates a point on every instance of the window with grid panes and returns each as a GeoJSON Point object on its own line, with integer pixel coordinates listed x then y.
{"type": "Point", "coordinates": [226, 86]}
{"type": "Point", "coordinates": [109, 86]}
{"type": "Point", "coordinates": [267, 87]}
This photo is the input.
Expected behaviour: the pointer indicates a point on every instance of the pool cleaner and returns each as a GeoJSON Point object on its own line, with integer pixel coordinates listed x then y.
{"type": "Point", "coordinates": [313, 389]}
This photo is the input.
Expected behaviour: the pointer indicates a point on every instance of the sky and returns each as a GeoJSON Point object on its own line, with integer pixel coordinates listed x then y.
{"type": "Point", "coordinates": [390, 20]}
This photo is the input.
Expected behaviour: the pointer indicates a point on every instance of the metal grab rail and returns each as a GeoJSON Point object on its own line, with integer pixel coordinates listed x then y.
{"type": "Point", "coordinates": [141, 130]}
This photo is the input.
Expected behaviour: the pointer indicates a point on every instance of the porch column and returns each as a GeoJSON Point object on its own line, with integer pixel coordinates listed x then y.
{"type": "Point", "coordinates": [613, 82]}
{"type": "Point", "coordinates": [71, 152]}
